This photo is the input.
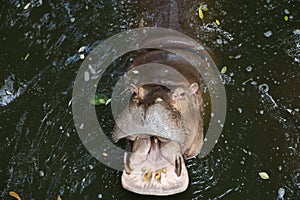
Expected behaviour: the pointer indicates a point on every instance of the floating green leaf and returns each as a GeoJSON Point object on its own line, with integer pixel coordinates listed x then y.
{"type": "Point", "coordinates": [264, 175]}
{"type": "Point", "coordinates": [224, 70]}
{"type": "Point", "coordinates": [100, 99]}
{"type": "Point", "coordinates": [286, 18]}
{"type": "Point", "coordinates": [200, 12]}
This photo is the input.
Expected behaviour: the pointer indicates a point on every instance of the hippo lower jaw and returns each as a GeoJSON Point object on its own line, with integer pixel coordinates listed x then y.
{"type": "Point", "coordinates": [155, 167]}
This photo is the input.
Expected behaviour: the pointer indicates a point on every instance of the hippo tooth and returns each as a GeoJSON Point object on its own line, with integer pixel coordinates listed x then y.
{"type": "Point", "coordinates": [157, 174]}
{"type": "Point", "coordinates": [155, 140]}
{"type": "Point", "coordinates": [147, 175]}
{"type": "Point", "coordinates": [178, 163]}
{"type": "Point", "coordinates": [127, 165]}
{"type": "Point", "coordinates": [130, 166]}
{"type": "Point", "coordinates": [164, 170]}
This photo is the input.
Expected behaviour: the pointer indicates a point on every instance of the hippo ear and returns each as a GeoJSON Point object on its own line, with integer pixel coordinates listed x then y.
{"type": "Point", "coordinates": [133, 89]}
{"type": "Point", "coordinates": [194, 87]}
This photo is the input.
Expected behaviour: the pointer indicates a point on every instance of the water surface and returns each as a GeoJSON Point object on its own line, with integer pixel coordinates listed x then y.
{"type": "Point", "coordinates": [41, 154]}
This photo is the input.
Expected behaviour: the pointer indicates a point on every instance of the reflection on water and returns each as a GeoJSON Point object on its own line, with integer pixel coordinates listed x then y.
{"type": "Point", "coordinates": [41, 154]}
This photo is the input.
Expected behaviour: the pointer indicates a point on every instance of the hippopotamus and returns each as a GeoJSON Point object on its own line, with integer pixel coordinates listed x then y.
{"type": "Point", "coordinates": [163, 122]}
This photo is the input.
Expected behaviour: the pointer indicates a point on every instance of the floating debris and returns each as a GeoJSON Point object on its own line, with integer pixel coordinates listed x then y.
{"type": "Point", "coordinates": [204, 7]}
{"type": "Point", "coordinates": [8, 92]}
{"type": "Point", "coordinates": [58, 197]}
{"type": "Point", "coordinates": [100, 99]}
{"type": "Point", "coordinates": [15, 195]}
{"type": "Point", "coordinates": [286, 18]}
{"type": "Point", "coordinates": [81, 49]}
{"type": "Point", "coordinates": [218, 22]}
{"type": "Point", "coordinates": [27, 6]}
{"type": "Point", "coordinates": [63, 157]}
{"type": "Point", "coordinates": [27, 56]}
{"type": "Point", "coordinates": [200, 12]}
{"type": "Point", "coordinates": [72, 19]}
{"type": "Point", "coordinates": [268, 33]}
{"type": "Point", "coordinates": [264, 175]}
{"type": "Point", "coordinates": [82, 56]}
{"type": "Point", "coordinates": [224, 70]}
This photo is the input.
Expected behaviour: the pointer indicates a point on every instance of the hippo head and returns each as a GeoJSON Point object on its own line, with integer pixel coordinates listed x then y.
{"type": "Point", "coordinates": [163, 125]}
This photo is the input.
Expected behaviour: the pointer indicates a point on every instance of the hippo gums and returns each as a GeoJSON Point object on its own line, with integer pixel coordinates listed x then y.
{"type": "Point", "coordinates": [163, 121]}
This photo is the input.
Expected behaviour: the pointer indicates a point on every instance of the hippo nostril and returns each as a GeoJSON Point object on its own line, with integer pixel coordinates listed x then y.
{"type": "Point", "coordinates": [178, 163]}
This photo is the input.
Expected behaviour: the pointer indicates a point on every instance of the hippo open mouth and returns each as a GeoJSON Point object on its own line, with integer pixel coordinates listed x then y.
{"type": "Point", "coordinates": [155, 165]}
{"type": "Point", "coordinates": [159, 125]}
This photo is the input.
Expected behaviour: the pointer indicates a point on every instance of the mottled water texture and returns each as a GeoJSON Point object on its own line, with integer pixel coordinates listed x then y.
{"type": "Point", "coordinates": [40, 152]}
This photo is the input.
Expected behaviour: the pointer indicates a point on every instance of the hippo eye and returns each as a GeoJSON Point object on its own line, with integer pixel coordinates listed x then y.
{"type": "Point", "coordinates": [181, 94]}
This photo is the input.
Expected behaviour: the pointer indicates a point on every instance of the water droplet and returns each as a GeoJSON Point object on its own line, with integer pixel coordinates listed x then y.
{"type": "Point", "coordinates": [249, 69]}
{"type": "Point", "coordinates": [296, 32]}
{"type": "Point", "coordinates": [81, 126]}
{"type": "Point", "coordinates": [261, 112]}
{"type": "Point", "coordinates": [253, 83]}
{"type": "Point", "coordinates": [42, 173]}
{"type": "Point", "coordinates": [268, 34]}
{"type": "Point", "coordinates": [281, 192]}
{"type": "Point", "coordinates": [238, 56]}
{"type": "Point", "coordinates": [219, 41]}
{"type": "Point", "coordinates": [263, 87]}
{"type": "Point", "coordinates": [286, 11]}
{"type": "Point", "coordinates": [240, 110]}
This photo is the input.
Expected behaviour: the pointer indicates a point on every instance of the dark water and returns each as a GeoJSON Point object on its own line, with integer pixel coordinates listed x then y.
{"type": "Point", "coordinates": [41, 153]}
